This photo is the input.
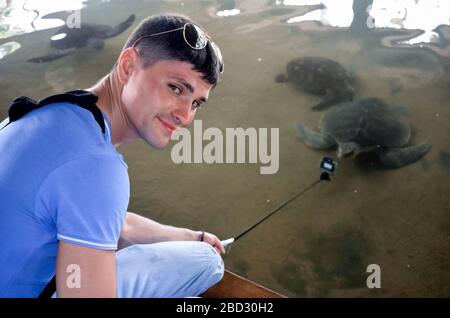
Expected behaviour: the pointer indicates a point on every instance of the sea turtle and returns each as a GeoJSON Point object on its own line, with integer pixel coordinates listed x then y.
{"type": "Point", "coordinates": [90, 35]}
{"type": "Point", "coordinates": [366, 124]}
{"type": "Point", "coordinates": [320, 76]}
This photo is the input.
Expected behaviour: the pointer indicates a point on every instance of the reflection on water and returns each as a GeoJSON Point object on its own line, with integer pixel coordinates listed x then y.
{"type": "Point", "coordinates": [24, 16]}
{"type": "Point", "coordinates": [228, 13]}
{"type": "Point", "coordinates": [8, 48]}
{"type": "Point", "coordinates": [334, 13]}
{"type": "Point", "coordinates": [399, 14]}
{"type": "Point", "coordinates": [321, 244]}
{"type": "Point", "coordinates": [412, 15]}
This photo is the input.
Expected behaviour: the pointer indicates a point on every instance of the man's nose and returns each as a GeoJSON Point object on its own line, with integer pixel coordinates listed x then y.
{"type": "Point", "coordinates": [183, 115]}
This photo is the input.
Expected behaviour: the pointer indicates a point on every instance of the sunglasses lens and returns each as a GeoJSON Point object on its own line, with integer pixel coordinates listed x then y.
{"type": "Point", "coordinates": [195, 37]}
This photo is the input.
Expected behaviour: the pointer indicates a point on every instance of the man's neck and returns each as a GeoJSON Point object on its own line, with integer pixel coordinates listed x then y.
{"type": "Point", "coordinates": [109, 91]}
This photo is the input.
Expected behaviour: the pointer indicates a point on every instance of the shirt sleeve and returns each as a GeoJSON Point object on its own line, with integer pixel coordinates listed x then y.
{"type": "Point", "coordinates": [87, 199]}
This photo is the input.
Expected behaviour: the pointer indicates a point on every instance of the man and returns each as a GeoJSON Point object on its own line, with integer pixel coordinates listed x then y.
{"type": "Point", "coordinates": [64, 189]}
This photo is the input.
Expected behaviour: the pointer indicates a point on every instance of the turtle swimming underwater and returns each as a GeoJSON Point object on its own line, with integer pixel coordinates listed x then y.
{"type": "Point", "coordinates": [366, 124]}
{"type": "Point", "coordinates": [320, 76]}
{"type": "Point", "coordinates": [90, 35]}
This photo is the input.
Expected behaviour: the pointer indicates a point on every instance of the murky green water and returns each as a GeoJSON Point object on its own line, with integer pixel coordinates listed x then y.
{"type": "Point", "coordinates": [321, 244]}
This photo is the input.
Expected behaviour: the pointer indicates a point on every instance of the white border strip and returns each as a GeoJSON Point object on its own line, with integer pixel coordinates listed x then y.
{"type": "Point", "coordinates": [107, 130]}
{"type": "Point", "coordinates": [4, 123]}
{"type": "Point", "coordinates": [113, 246]}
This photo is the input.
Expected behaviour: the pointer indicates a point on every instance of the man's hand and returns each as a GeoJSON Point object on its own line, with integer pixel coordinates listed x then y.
{"type": "Point", "coordinates": [85, 272]}
{"type": "Point", "coordinates": [214, 241]}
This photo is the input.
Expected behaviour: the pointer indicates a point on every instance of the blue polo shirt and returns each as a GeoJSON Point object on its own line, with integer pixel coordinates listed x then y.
{"type": "Point", "coordinates": [60, 179]}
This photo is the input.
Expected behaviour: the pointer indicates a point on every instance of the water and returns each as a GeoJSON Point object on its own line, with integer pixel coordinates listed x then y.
{"type": "Point", "coordinates": [321, 244]}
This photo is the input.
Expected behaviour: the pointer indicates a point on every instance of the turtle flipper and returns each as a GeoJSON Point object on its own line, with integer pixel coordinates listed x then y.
{"type": "Point", "coordinates": [52, 56]}
{"type": "Point", "coordinates": [329, 99]}
{"type": "Point", "coordinates": [398, 157]}
{"type": "Point", "coordinates": [333, 97]}
{"type": "Point", "coordinates": [121, 27]}
{"type": "Point", "coordinates": [314, 139]}
{"type": "Point", "coordinates": [97, 44]}
{"type": "Point", "coordinates": [281, 78]}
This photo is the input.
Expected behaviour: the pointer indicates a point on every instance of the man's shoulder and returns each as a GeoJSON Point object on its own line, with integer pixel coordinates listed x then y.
{"type": "Point", "coordinates": [71, 129]}
{"type": "Point", "coordinates": [64, 115]}
{"type": "Point", "coordinates": [92, 164]}
{"type": "Point", "coordinates": [88, 178]}
{"type": "Point", "coordinates": [60, 136]}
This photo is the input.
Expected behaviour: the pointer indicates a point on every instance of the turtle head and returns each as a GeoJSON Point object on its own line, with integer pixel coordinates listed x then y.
{"type": "Point", "coordinates": [281, 78]}
{"type": "Point", "coordinates": [347, 149]}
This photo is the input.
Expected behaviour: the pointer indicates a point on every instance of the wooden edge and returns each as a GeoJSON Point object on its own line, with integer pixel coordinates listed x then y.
{"type": "Point", "coordinates": [235, 286]}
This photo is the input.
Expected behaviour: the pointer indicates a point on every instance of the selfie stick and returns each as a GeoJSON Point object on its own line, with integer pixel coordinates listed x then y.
{"type": "Point", "coordinates": [324, 176]}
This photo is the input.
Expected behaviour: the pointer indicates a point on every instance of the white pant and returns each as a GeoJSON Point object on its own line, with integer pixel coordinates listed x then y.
{"type": "Point", "coordinates": [167, 269]}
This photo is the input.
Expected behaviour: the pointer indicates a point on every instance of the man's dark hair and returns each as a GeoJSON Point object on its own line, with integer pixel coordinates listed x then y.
{"type": "Point", "coordinates": [172, 46]}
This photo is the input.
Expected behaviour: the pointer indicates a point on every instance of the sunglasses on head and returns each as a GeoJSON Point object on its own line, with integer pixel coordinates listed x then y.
{"type": "Point", "coordinates": [195, 37]}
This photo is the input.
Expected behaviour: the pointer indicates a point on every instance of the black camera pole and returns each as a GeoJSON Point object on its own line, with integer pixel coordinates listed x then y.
{"type": "Point", "coordinates": [227, 243]}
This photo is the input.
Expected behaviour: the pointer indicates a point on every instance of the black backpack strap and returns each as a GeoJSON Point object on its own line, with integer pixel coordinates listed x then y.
{"type": "Point", "coordinates": [49, 289]}
{"type": "Point", "coordinates": [85, 99]}
{"type": "Point", "coordinates": [20, 107]}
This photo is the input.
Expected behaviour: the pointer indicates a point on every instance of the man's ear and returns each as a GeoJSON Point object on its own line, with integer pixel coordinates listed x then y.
{"type": "Point", "coordinates": [128, 60]}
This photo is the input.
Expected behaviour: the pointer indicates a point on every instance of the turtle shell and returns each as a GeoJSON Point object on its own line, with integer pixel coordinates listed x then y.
{"type": "Point", "coordinates": [367, 122]}
{"type": "Point", "coordinates": [318, 75]}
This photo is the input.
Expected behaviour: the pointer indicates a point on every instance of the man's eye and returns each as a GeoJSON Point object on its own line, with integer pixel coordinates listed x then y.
{"type": "Point", "coordinates": [175, 89]}
{"type": "Point", "coordinates": [196, 104]}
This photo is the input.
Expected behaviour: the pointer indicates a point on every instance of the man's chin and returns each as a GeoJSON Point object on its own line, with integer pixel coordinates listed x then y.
{"type": "Point", "coordinates": [158, 144]}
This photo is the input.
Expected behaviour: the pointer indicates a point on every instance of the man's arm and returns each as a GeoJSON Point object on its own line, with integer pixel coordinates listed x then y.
{"type": "Point", "coordinates": [140, 230]}
{"type": "Point", "coordinates": [94, 269]}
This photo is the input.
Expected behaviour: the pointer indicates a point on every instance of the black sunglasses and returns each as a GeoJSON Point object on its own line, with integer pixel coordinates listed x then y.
{"type": "Point", "coordinates": [197, 42]}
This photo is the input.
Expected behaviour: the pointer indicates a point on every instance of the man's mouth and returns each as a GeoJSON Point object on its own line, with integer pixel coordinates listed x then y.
{"type": "Point", "coordinates": [168, 126]}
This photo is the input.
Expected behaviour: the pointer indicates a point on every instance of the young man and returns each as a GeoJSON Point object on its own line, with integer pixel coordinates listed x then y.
{"type": "Point", "coordinates": [64, 189]}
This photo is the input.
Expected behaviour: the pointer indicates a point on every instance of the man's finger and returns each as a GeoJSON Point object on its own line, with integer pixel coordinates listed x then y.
{"type": "Point", "coordinates": [220, 246]}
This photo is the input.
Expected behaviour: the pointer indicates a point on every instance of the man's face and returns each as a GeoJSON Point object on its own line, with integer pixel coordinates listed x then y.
{"type": "Point", "coordinates": [161, 98]}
